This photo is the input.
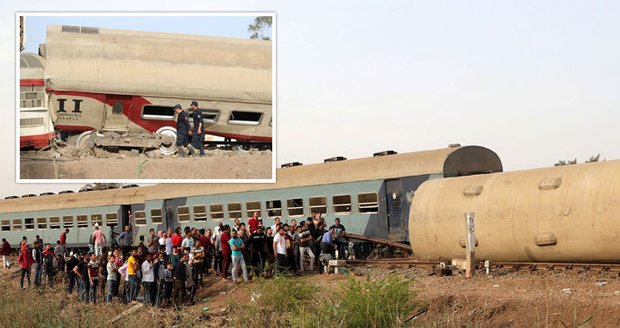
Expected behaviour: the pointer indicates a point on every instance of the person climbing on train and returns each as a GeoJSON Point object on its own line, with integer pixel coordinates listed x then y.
{"type": "Point", "coordinates": [98, 238]}
{"type": "Point", "coordinates": [197, 137]}
{"type": "Point", "coordinates": [63, 237]}
{"type": "Point", "coordinates": [183, 138]}
{"type": "Point", "coordinates": [340, 233]}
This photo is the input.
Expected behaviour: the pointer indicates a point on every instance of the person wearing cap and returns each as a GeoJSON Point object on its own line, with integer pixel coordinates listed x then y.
{"type": "Point", "coordinates": [182, 131]}
{"type": "Point", "coordinates": [197, 136]}
{"type": "Point", "coordinates": [99, 239]}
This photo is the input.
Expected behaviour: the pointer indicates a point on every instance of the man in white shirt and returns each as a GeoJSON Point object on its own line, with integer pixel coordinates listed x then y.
{"type": "Point", "coordinates": [188, 242]}
{"type": "Point", "coordinates": [148, 279]}
{"type": "Point", "coordinates": [279, 250]}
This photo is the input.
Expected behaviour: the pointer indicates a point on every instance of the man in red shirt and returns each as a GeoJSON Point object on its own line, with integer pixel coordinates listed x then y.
{"type": "Point", "coordinates": [63, 237]}
{"type": "Point", "coordinates": [176, 239]}
{"type": "Point", "coordinates": [226, 251]}
{"type": "Point", "coordinates": [253, 222]}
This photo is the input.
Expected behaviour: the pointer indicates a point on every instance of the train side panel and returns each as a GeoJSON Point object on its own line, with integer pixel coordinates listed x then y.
{"type": "Point", "coordinates": [559, 214]}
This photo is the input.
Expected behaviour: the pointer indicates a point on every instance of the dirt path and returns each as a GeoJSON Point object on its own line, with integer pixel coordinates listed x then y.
{"type": "Point", "coordinates": [218, 164]}
{"type": "Point", "coordinates": [509, 300]}
{"type": "Point", "coordinates": [500, 300]}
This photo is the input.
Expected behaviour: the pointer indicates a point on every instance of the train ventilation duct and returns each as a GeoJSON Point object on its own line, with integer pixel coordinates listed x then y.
{"type": "Point", "coordinates": [334, 159]}
{"type": "Point", "coordinates": [292, 164]}
{"type": "Point", "coordinates": [384, 153]}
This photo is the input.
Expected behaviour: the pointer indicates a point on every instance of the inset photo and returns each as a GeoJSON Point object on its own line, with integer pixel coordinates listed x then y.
{"type": "Point", "coordinates": [145, 97]}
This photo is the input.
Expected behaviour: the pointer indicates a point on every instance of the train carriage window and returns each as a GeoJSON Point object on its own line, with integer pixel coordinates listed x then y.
{"type": "Point", "coordinates": [29, 223]}
{"type": "Point", "coordinates": [155, 112]}
{"type": "Point", "coordinates": [318, 204]}
{"type": "Point", "coordinates": [6, 225]}
{"type": "Point", "coordinates": [111, 219]}
{"type": "Point", "coordinates": [82, 221]}
{"type": "Point", "coordinates": [342, 204]}
{"type": "Point", "coordinates": [200, 213]}
{"type": "Point", "coordinates": [183, 213]}
{"type": "Point", "coordinates": [97, 218]}
{"type": "Point", "coordinates": [54, 222]}
{"type": "Point", "coordinates": [216, 211]}
{"type": "Point", "coordinates": [368, 202]}
{"type": "Point", "coordinates": [17, 224]}
{"type": "Point", "coordinates": [251, 207]}
{"type": "Point", "coordinates": [41, 223]}
{"type": "Point", "coordinates": [67, 221]}
{"type": "Point", "coordinates": [295, 207]}
{"type": "Point", "coordinates": [274, 208]}
{"type": "Point", "coordinates": [244, 118]}
{"type": "Point", "coordinates": [208, 115]}
{"type": "Point", "coordinates": [140, 217]}
{"type": "Point", "coordinates": [156, 216]}
{"type": "Point", "coordinates": [234, 211]}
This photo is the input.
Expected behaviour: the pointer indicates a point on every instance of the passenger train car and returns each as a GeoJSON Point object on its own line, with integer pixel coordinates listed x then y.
{"type": "Point", "coordinates": [35, 124]}
{"type": "Point", "coordinates": [118, 87]}
{"type": "Point", "coordinates": [371, 196]}
{"type": "Point", "coordinates": [568, 214]}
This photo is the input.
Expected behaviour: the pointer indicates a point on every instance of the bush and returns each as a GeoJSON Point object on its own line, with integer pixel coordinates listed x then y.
{"type": "Point", "coordinates": [373, 303]}
{"type": "Point", "coordinates": [289, 302]}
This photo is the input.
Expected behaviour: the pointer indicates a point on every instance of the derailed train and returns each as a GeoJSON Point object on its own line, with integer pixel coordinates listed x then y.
{"type": "Point", "coordinates": [117, 88]}
{"type": "Point", "coordinates": [371, 196]}
{"type": "Point", "coordinates": [559, 214]}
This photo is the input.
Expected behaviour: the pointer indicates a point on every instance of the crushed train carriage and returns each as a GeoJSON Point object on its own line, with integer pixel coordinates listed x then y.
{"type": "Point", "coordinates": [117, 88]}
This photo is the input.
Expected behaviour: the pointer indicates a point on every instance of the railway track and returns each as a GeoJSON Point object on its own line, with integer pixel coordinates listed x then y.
{"type": "Point", "coordinates": [613, 269]}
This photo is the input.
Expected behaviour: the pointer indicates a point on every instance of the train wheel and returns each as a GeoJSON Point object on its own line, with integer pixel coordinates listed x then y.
{"type": "Point", "coordinates": [169, 147]}
{"type": "Point", "coordinates": [85, 140]}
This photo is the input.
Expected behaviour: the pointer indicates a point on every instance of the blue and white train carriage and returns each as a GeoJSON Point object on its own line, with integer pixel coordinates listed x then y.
{"type": "Point", "coordinates": [371, 196]}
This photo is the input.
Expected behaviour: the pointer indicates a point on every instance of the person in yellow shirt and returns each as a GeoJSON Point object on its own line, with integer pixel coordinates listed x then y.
{"type": "Point", "coordinates": [132, 270]}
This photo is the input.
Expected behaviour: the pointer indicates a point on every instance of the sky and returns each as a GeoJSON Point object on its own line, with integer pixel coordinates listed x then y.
{"type": "Point", "coordinates": [536, 82]}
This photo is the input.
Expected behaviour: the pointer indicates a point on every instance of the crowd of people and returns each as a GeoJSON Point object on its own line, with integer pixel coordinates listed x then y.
{"type": "Point", "coordinates": [167, 267]}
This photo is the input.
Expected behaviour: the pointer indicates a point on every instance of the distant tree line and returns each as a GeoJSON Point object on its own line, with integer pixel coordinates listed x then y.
{"type": "Point", "coordinates": [261, 28]}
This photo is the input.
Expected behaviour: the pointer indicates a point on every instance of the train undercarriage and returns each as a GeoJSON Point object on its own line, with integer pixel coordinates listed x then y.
{"type": "Point", "coordinates": [164, 141]}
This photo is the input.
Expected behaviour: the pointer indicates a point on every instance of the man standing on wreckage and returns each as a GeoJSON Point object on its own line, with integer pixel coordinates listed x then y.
{"type": "Point", "coordinates": [197, 136]}
{"type": "Point", "coordinates": [183, 138]}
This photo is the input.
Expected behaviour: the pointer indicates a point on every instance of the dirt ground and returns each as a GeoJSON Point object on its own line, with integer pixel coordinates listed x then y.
{"type": "Point", "coordinates": [518, 299]}
{"type": "Point", "coordinates": [217, 164]}
{"type": "Point", "coordinates": [502, 300]}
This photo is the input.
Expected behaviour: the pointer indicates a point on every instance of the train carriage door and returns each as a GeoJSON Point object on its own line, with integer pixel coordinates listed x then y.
{"type": "Point", "coordinates": [126, 217]}
{"type": "Point", "coordinates": [116, 113]}
{"type": "Point", "coordinates": [394, 208]}
{"type": "Point", "coordinates": [170, 214]}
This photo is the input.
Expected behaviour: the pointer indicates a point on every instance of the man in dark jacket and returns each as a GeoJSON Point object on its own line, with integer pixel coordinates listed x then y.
{"type": "Point", "coordinates": [38, 260]}
{"type": "Point", "coordinates": [197, 136]}
{"type": "Point", "coordinates": [182, 131]}
{"type": "Point", "coordinates": [179, 273]}
{"type": "Point", "coordinates": [71, 264]}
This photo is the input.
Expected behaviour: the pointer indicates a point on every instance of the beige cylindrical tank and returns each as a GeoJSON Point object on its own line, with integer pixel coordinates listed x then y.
{"type": "Point", "coordinates": [559, 214]}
